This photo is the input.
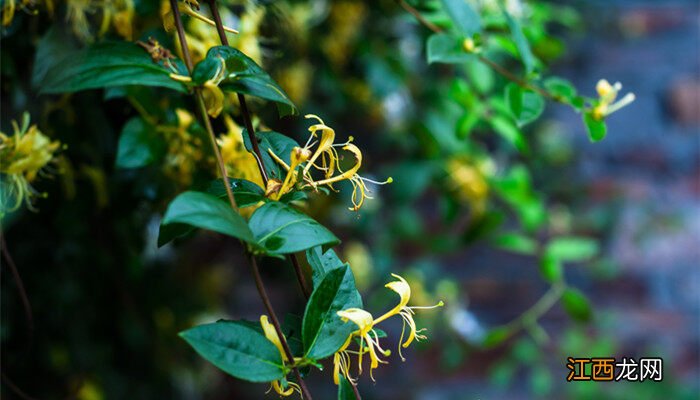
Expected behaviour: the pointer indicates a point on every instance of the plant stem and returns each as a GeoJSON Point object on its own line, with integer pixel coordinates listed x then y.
{"type": "Point", "coordinates": [20, 286]}
{"type": "Point", "coordinates": [253, 140]}
{"type": "Point", "coordinates": [499, 69]}
{"type": "Point", "coordinates": [207, 122]}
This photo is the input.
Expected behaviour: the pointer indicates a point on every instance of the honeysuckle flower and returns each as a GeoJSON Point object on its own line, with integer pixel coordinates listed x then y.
{"type": "Point", "coordinates": [367, 334]}
{"type": "Point", "coordinates": [468, 180]}
{"type": "Point", "coordinates": [184, 148]}
{"type": "Point", "coordinates": [284, 388]}
{"type": "Point", "coordinates": [9, 7]}
{"type": "Point", "coordinates": [606, 103]}
{"type": "Point", "coordinates": [24, 156]}
{"type": "Point", "coordinates": [326, 151]}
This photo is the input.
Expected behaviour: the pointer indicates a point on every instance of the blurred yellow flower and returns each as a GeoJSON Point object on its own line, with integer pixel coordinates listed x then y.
{"type": "Point", "coordinates": [467, 179]}
{"type": "Point", "coordinates": [23, 157]}
{"type": "Point", "coordinates": [239, 162]}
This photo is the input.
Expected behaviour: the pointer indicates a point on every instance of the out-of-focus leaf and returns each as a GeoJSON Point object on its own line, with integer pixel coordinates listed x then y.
{"type": "Point", "coordinates": [596, 129]}
{"type": "Point", "coordinates": [516, 243]}
{"type": "Point", "coordinates": [446, 48]}
{"type": "Point", "coordinates": [509, 132]}
{"type": "Point", "coordinates": [576, 304]}
{"type": "Point", "coordinates": [550, 268]}
{"type": "Point", "coordinates": [242, 75]}
{"type": "Point", "coordinates": [139, 144]}
{"type": "Point", "coordinates": [107, 64]}
{"type": "Point", "coordinates": [463, 16]}
{"type": "Point", "coordinates": [572, 248]}
{"type": "Point", "coordinates": [525, 105]}
{"type": "Point", "coordinates": [237, 349]}
{"type": "Point", "coordinates": [521, 42]}
{"type": "Point", "coordinates": [560, 88]}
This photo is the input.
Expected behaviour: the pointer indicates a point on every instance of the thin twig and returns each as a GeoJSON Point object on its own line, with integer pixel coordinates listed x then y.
{"type": "Point", "coordinates": [256, 149]}
{"type": "Point", "coordinates": [355, 391]}
{"type": "Point", "coordinates": [20, 286]}
{"type": "Point", "coordinates": [224, 176]}
{"type": "Point", "coordinates": [14, 387]}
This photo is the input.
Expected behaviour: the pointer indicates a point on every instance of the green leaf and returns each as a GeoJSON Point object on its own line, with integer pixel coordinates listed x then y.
{"type": "Point", "coordinates": [560, 88]}
{"type": "Point", "coordinates": [525, 105]}
{"type": "Point", "coordinates": [280, 144]}
{"type": "Point", "coordinates": [245, 192]}
{"type": "Point", "coordinates": [463, 16]}
{"type": "Point", "coordinates": [572, 248]}
{"type": "Point", "coordinates": [576, 305]}
{"type": "Point", "coordinates": [321, 263]}
{"type": "Point", "coordinates": [107, 64]}
{"type": "Point", "coordinates": [446, 48]}
{"type": "Point", "coordinates": [550, 268]}
{"type": "Point", "coordinates": [203, 210]}
{"type": "Point", "coordinates": [596, 129]}
{"type": "Point", "coordinates": [237, 349]}
{"type": "Point", "coordinates": [167, 233]}
{"type": "Point", "coordinates": [280, 229]}
{"type": "Point", "coordinates": [291, 328]}
{"type": "Point", "coordinates": [509, 132]}
{"type": "Point", "coordinates": [139, 144]}
{"type": "Point", "coordinates": [242, 75]}
{"type": "Point", "coordinates": [496, 336]}
{"type": "Point", "coordinates": [323, 331]}
{"type": "Point", "coordinates": [521, 42]}
{"type": "Point", "coordinates": [516, 243]}
{"type": "Point", "coordinates": [345, 391]}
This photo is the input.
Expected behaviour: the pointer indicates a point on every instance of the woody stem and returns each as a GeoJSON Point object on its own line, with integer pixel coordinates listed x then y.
{"type": "Point", "coordinates": [253, 263]}
{"type": "Point", "coordinates": [253, 140]}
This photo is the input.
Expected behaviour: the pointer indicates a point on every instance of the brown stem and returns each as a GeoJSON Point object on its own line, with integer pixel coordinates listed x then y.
{"type": "Point", "coordinates": [499, 69]}
{"type": "Point", "coordinates": [224, 176]}
{"type": "Point", "coordinates": [355, 391]}
{"type": "Point", "coordinates": [253, 140]}
{"type": "Point", "coordinates": [20, 286]}
{"type": "Point", "coordinates": [275, 322]}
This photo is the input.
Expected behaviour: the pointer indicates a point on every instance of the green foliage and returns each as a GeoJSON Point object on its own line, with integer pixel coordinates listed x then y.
{"type": "Point", "coordinates": [205, 211]}
{"type": "Point", "coordinates": [526, 105]}
{"type": "Point", "coordinates": [464, 19]}
{"type": "Point", "coordinates": [107, 64]}
{"type": "Point", "coordinates": [516, 243]}
{"type": "Point", "coordinates": [245, 192]}
{"type": "Point", "coordinates": [323, 331]}
{"type": "Point", "coordinates": [322, 262]}
{"type": "Point", "coordinates": [446, 48]}
{"type": "Point", "coordinates": [576, 304]}
{"type": "Point", "coordinates": [139, 145]}
{"type": "Point", "coordinates": [241, 75]}
{"type": "Point", "coordinates": [345, 391]}
{"type": "Point", "coordinates": [521, 43]}
{"type": "Point", "coordinates": [237, 349]}
{"type": "Point", "coordinates": [572, 248]}
{"type": "Point", "coordinates": [597, 130]}
{"type": "Point", "coordinates": [280, 229]}
{"type": "Point", "coordinates": [276, 142]}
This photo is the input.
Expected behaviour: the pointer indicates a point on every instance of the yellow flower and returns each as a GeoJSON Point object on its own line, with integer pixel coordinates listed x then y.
{"type": "Point", "coordinates": [606, 103]}
{"type": "Point", "coordinates": [271, 335]}
{"type": "Point", "coordinates": [366, 323]}
{"type": "Point", "coordinates": [327, 152]}
{"type": "Point", "coordinates": [23, 156]}
{"type": "Point", "coordinates": [239, 162]}
{"type": "Point", "coordinates": [467, 179]}
{"type": "Point", "coordinates": [184, 149]}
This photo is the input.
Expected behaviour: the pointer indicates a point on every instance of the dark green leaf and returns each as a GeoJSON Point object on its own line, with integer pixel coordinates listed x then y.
{"type": "Point", "coordinates": [345, 390]}
{"type": "Point", "coordinates": [291, 328]}
{"type": "Point", "coordinates": [516, 243]}
{"type": "Point", "coordinates": [572, 248]}
{"type": "Point", "coordinates": [596, 129]}
{"type": "Point", "coordinates": [321, 263]}
{"type": "Point", "coordinates": [280, 229]}
{"type": "Point", "coordinates": [245, 192]}
{"type": "Point", "coordinates": [242, 75]}
{"type": "Point", "coordinates": [107, 64]}
{"type": "Point", "coordinates": [496, 336]}
{"type": "Point", "coordinates": [446, 48]}
{"type": "Point", "coordinates": [521, 42]}
{"type": "Point", "coordinates": [463, 16]}
{"type": "Point", "coordinates": [280, 144]}
{"type": "Point", "coordinates": [525, 105]}
{"type": "Point", "coordinates": [139, 144]}
{"type": "Point", "coordinates": [576, 305]}
{"type": "Point", "coordinates": [237, 349]}
{"type": "Point", "coordinates": [167, 233]}
{"type": "Point", "coordinates": [324, 332]}
{"type": "Point", "coordinates": [203, 210]}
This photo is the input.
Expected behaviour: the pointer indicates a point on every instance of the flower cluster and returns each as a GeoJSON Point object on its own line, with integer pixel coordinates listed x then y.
{"type": "Point", "coordinates": [326, 153]}
{"type": "Point", "coordinates": [23, 157]}
{"type": "Point", "coordinates": [368, 336]}
{"type": "Point", "coordinates": [606, 103]}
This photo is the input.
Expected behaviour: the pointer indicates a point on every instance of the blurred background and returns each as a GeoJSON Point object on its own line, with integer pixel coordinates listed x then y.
{"type": "Point", "coordinates": [107, 302]}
